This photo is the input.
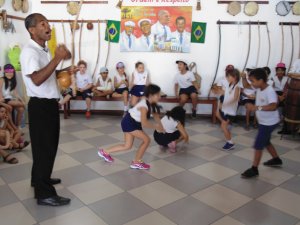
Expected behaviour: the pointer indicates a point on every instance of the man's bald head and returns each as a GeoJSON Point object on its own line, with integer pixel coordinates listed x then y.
{"type": "Point", "coordinates": [164, 17]}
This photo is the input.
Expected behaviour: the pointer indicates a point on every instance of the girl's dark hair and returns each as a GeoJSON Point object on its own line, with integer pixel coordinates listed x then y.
{"type": "Point", "coordinates": [235, 73]}
{"type": "Point", "coordinates": [268, 70]}
{"type": "Point", "coordinates": [10, 83]}
{"type": "Point", "coordinates": [259, 74]}
{"type": "Point", "coordinates": [178, 114]}
{"type": "Point", "coordinates": [138, 64]}
{"type": "Point", "coordinates": [152, 89]}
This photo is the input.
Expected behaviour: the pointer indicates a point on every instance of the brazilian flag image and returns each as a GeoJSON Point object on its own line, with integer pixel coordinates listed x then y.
{"type": "Point", "coordinates": [113, 31]}
{"type": "Point", "coordinates": [198, 32]}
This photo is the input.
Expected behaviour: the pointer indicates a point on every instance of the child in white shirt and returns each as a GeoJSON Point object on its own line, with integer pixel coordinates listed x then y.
{"type": "Point", "coordinates": [173, 124]}
{"type": "Point", "coordinates": [103, 87]}
{"type": "Point", "coordinates": [229, 106]}
{"type": "Point", "coordinates": [280, 80]}
{"type": "Point", "coordinates": [268, 119]}
{"type": "Point", "coordinates": [140, 79]}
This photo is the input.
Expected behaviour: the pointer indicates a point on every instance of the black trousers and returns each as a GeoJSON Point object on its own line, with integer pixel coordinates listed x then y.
{"type": "Point", "coordinates": [44, 128]}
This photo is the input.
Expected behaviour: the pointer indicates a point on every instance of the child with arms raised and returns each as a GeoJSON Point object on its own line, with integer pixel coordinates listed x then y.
{"type": "Point", "coordinates": [173, 123]}
{"type": "Point", "coordinates": [268, 119]}
{"type": "Point", "coordinates": [133, 123]}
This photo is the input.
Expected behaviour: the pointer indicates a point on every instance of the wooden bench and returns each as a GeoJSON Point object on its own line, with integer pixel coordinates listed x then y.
{"type": "Point", "coordinates": [201, 100]}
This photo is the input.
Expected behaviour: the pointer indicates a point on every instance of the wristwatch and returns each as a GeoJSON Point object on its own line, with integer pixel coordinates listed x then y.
{"type": "Point", "coordinates": [259, 108]}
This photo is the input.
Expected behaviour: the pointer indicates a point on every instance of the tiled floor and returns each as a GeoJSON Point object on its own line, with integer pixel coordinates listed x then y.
{"type": "Point", "coordinates": [197, 186]}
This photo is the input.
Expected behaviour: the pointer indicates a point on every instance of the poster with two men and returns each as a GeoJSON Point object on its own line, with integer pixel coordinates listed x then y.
{"type": "Point", "coordinates": [156, 29]}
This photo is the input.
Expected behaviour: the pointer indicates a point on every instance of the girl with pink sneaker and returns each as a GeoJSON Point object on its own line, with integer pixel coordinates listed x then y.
{"type": "Point", "coordinates": [133, 123]}
{"type": "Point", "coordinates": [173, 124]}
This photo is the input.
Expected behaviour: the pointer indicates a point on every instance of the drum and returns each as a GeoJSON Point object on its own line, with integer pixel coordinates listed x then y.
{"type": "Point", "coordinates": [296, 8]}
{"type": "Point", "coordinates": [73, 8]}
{"type": "Point", "coordinates": [234, 8]}
{"type": "Point", "coordinates": [283, 8]}
{"type": "Point", "coordinates": [292, 102]}
{"type": "Point", "coordinates": [251, 8]}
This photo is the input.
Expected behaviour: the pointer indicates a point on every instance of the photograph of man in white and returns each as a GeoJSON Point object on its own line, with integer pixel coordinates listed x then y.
{"type": "Point", "coordinates": [183, 38]}
{"type": "Point", "coordinates": [161, 29]}
{"type": "Point", "coordinates": [146, 42]}
{"type": "Point", "coordinates": [127, 39]}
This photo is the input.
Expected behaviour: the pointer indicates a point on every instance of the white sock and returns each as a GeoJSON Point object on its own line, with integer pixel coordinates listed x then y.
{"type": "Point", "coordinates": [230, 141]}
{"type": "Point", "coordinates": [126, 108]}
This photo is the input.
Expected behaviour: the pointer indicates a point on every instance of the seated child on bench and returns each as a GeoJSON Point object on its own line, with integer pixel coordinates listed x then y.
{"type": "Point", "coordinates": [103, 88]}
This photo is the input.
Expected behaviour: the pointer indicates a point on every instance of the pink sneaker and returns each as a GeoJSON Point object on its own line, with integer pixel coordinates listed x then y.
{"type": "Point", "coordinates": [139, 166]}
{"type": "Point", "coordinates": [172, 147]}
{"type": "Point", "coordinates": [105, 156]}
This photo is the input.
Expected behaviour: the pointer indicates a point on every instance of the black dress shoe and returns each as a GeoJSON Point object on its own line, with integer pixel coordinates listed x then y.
{"type": "Point", "coordinates": [54, 201]}
{"type": "Point", "coordinates": [53, 181]}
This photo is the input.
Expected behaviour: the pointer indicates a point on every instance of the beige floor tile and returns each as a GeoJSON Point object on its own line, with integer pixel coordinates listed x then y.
{"type": "Point", "coordinates": [214, 171]}
{"type": "Point", "coordinates": [2, 182]}
{"type": "Point", "coordinates": [94, 190]}
{"type": "Point", "coordinates": [292, 155]}
{"type": "Point", "coordinates": [104, 168]}
{"type": "Point", "coordinates": [68, 122]}
{"type": "Point", "coordinates": [222, 198]}
{"type": "Point", "coordinates": [96, 124]}
{"type": "Point", "coordinates": [153, 218]}
{"type": "Point", "coordinates": [285, 143]}
{"type": "Point", "coordinates": [202, 128]}
{"type": "Point", "coordinates": [248, 154]}
{"type": "Point", "coordinates": [242, 140]}
{"type": "Point", "coordinates": [204, 139]}
{"type": "Point", "coordinates": [22, 158]}
{"type": "Point", "coordinates": [157, 194]}
{"type": "Point", "coordinates": [155, 150]}
{"type": "Point", "coordinates": [239, 130]}
{"type": "Point", "coordinates": [161, 168]}
{"type": "Point", "coordinates": [64, 162]}
{"type": "Point", "coordinates": [74, 146]}
{"type": "Point", "coordinates": [15, 214]}
{"type": "Point", "coordinates": [227, 220]}
{"type": "Point", "coordinates": [85, 134]}
{"type": "Point", "coordinates": [283, 200]}
{"type": "Point", "coordinates": [208, 153]}
{"type": "Point", "coordinates": [273, 176]}
{"type": "Point", "coordinates": [118, 136]}
{"type": "Point", "coordinates": [77, 217]}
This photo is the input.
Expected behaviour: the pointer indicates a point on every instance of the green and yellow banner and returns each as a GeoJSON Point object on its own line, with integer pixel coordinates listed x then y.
{"type": "Point", "coordinates": [198, 32]}
{"type": "Point", "coordinates": [113, 31]}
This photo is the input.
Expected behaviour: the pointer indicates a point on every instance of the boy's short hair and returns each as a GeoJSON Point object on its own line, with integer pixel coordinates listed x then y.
{"type": "Point", "coordinates": [259, 74]}
{"type": "Point", "coordinates": [82, 62]}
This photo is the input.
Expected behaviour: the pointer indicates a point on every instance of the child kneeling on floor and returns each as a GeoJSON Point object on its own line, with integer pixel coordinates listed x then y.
{"type": "Point", "coordinates": [133, 123]}
{"type": "Point", "coordinates": [173, 123]}
{"type": "Point", "coordinates": [268, 119]}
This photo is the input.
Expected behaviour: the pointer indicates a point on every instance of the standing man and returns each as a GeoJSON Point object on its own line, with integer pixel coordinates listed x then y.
{"type": "Point", "coordinates": [39, 75]}
{"type": "Point", "coordinates": [161, 29]}
{"type": "Point", "coordinates": [146, 41]}
{"type": "Point", "coordinates": [128, 40]}
{"type": "Point", "coordinates": [183, 38]}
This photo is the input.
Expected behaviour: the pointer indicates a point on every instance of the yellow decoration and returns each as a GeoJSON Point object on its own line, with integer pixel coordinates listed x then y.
{"type": "Point", "coordinates": [52, 43]}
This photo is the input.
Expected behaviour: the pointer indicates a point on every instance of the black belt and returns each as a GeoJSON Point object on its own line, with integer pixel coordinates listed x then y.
{"type": "Point", "coordinates": [45, 99]}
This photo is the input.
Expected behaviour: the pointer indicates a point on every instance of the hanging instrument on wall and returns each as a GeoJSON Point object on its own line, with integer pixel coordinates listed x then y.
{"type": "Point", "coordinates": [2, 3]}
{"type": "Point", "coordinates": [98, 52]}
{"type": "Point", "coordinates": [80, 40]}
{"type": "Point", "coordinates": [119, 5]}
{"type": "Point", "coordinates": [73, 8]}
{"type": "Point", "coordinates": [108, 45]}
{"type": "Point", "coordinates": [219, 57]}
{"type": "Point", "coordinates": [90, 26]}
{"type": "Point", "coordinates": [269, 44]}
{"type": "Point", "coordinates": [234, 8]}
{"type": "Point", "coordinates": [283, 8]}
{"type": "Point", "coordinates": [296, 8]}
{"type": "Point", "coordinates": [259, 44]}
{"type": "Point", "coordinates": [17, 4]}
{"type": "Point", "coordinates": [65, 41]}
{"type": "Point", "coordinates": [251, 8]}
{"type": "Point", "coordinates": [299, 38]}
{"type": "Point", "coordinates": [282, 43]}
{"type": "Point", "coordinates": [198, 7]}
{"type": "Point", "coordinates": [293, 46]}
{"type": "Point", "coordinates": [25, 6]}
{"type": "Point", "coordinates": [249, 46]}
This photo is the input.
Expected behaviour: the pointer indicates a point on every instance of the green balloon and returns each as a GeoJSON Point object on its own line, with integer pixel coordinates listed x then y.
{"type": "Point", "coordinates": [14, 57]}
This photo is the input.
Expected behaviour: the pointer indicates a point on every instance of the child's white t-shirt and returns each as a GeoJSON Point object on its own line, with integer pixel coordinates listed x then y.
{"type": "Point", "coordinates": [119, 78]}
{"type": "Point", "coordinates": [223, 83]}
{"type": "Point", "coordinates": [185, 80]}
{"type": "Point", "coordinates": [279, 85]}
{"type": "Point", "coordinates": [104, 85]}
{"type": "Point", "coordinates": [169, 124]}
{"type": "Point", "coordinates": [6, 92]}
{"type": "Point", "coordinates": [82, 80]}
{"type": "Point", "coordinates": [135, 112]}
{"type": "Point", "coordinates": [230, 105]}
{"type": "Point", "coordinates": [263, 98]}
{"type": "Point", "coordinates": [140, 78]}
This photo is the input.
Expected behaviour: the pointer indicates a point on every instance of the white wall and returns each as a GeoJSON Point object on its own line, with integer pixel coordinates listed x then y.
{"type": "Point", "coordinates": [161, 65]}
